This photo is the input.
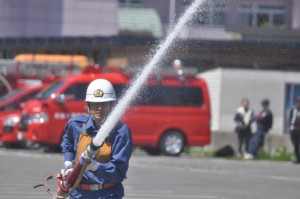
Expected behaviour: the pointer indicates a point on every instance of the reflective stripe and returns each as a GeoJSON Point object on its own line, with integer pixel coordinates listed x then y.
{"type": "Point", "coordinates": [95, 187]}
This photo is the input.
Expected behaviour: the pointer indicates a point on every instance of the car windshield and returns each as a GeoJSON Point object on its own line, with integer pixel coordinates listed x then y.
{"type": "Point", "coordinates": [11, 94]}
{"type": "Point", "coordinates": [52, 88]}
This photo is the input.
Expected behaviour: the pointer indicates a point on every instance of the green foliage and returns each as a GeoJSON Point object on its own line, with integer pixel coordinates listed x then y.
{"type": "Point", "coordinates": [236, 37]}
{"type": "Point", "coordinates": [280, 155]}
{"type": "Point", "coordinates": [263, 155]}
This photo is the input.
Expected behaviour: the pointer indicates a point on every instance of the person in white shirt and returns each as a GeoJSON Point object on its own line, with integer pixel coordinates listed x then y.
{"type": "Point", "coordinates": [243, 119]}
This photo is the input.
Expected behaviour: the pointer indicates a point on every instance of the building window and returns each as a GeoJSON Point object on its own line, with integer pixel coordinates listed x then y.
{"type": "Point", "coordinates": [211, 14]}
{"type": "Point", "coordinates": [279, 20]}
{"type": "Point", "coordinates": [262, 16]}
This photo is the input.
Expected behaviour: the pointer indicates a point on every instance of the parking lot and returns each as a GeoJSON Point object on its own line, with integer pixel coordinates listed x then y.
{"type": "Point", "coordinates": [161, 177]}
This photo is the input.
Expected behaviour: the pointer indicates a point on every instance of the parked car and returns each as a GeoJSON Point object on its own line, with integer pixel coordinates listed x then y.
{"type": "Point", "coordinates": [13, 99]}
{"type": "Point", "coordinates": [9, 128]}
{"type": "Point", "coordinates": [10, 112]}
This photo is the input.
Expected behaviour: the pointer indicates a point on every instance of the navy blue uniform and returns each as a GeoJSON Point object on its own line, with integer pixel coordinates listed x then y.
{"type": "Point", "coordinates": [294, 122]}
{"type": "Point", "coordinates": [114, 171]}
{"type": "Point", "coordinates": [264, 120]}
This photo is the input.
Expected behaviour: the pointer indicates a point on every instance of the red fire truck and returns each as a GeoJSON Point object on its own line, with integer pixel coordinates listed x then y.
{"type": "Point", "coordinates": [10, 112]}
{"type": "Point", "coordinates": [168, 114]}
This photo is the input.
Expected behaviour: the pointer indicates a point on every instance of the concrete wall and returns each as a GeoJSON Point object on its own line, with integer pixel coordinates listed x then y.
{"type": "Point", "coordinates": [90, 18]}
{"type": "Point", "coordinates": [228, 86]}
{"type": "Point", "coordinates": [29, 18]}
{"type": "Point", "coordinates": [256, 86]}
{"type": "Point", "coordinates": [272, 142]}
{"type": "Point", "coordinates": [213, 80]}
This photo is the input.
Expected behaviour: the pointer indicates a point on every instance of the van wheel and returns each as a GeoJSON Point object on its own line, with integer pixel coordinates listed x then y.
{"type": "Point", "coordinates": [172, 143]}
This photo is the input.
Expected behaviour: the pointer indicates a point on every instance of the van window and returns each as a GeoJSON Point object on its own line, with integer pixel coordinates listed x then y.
{"type": "Point", "coordinates": [29, 95]}
{"type": "Point", "coordinates": [52, 88]}
{"type": "Point", "coordinates": [171, 96]}
{"type": "Point", "coordinates": [11, 94]}
{"type": "Point", "coordinates": [165, 96]}
{"type": "Point", "coordinates": [77, 91]}
{"type": "Point", "coordinates": [15, 104]}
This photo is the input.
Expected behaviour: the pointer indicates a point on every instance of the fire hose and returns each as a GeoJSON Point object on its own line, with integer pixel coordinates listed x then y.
{"type": "Point", "coordinates": [70, 183]}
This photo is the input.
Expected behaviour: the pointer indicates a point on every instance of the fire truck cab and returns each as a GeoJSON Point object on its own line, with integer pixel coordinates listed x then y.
{"type": "Point", "coordinates": [44, 118]}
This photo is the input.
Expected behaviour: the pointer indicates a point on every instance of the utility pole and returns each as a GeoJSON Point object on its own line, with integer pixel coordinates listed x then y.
{"type": "Point", "coordinates": [172, 14]}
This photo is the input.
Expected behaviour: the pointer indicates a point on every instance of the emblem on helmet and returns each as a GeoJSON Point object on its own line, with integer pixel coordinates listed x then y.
{"type": "Point", "coordinates": [98, 93]}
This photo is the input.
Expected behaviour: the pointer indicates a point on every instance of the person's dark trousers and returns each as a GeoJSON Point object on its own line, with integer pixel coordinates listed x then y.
{"type": "Point", "coordinates": [295, 137]}
{"type": "Point", "coordinates": [257, 141]}
{"type": "Point", "coordinates": [244, 138]}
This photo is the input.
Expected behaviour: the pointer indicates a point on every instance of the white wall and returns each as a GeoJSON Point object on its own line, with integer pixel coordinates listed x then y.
{"type": "Point", "coordinates": [90, 17]}
{"type": "Point", "coordinates": [30, 18]}
{"type": "Point", "coordinates": [256, 86]}
{"type": "Point", "coordinates": [27, 18]}
{"type": "Point", "coordinates": [213, 81]}
{"type": "Point", "coordinates": [228, 86]}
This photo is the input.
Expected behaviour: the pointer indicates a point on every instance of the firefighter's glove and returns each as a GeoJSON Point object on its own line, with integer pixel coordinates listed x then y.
{"type": "Point", "coordinates": [68, 168]}
{"type": "Point", "coordinates": [92, 166]}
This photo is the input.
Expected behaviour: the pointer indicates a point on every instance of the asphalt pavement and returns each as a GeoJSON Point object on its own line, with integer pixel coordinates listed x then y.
{"type": "Point", "coordinates": [161, 177]}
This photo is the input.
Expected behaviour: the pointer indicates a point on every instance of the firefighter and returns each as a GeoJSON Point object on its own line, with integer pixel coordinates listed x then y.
{"type": "Point", "coordinates": [107, 170]}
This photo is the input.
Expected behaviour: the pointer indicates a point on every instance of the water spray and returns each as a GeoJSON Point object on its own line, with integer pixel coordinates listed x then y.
{"type": "Point", "coordinates": [75, 176]}
{"type": "Point", "coordinates": [141, 78]}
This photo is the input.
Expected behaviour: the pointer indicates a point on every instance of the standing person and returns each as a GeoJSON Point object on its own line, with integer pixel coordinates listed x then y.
{"type": "Point", "coordinates": [243, 119]}
{"type": "Point", "coordinates": [264, 121]}
{"type": "Point", "coordinates": [294, 122]}
{"type": "Point", "coordinates": [106, 172]}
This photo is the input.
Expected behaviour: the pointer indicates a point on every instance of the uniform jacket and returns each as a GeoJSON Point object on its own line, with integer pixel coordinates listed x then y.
{"type": "Point", "coordinates": [114, 171]}
{"type": "Point", "coordinates": [264, 120]}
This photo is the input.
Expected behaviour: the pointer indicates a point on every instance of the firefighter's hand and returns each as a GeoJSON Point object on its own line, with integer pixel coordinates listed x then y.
{"type": "Point", "coordinates": [67, 170]}
{"type": "Point", "coordinates": [92, 166]}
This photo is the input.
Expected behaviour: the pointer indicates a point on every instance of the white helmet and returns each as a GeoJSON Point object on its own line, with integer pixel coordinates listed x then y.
{"type": "Point", "coordinates": [100, 90]}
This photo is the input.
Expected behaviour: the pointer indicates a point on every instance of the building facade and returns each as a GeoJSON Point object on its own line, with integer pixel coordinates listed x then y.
{"type": "Point", "coordinates": [56, 18]}
{"type": "Point", "coordinates": [231, 33]}
{"type": "Point", "coordinates": [226, 34]}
